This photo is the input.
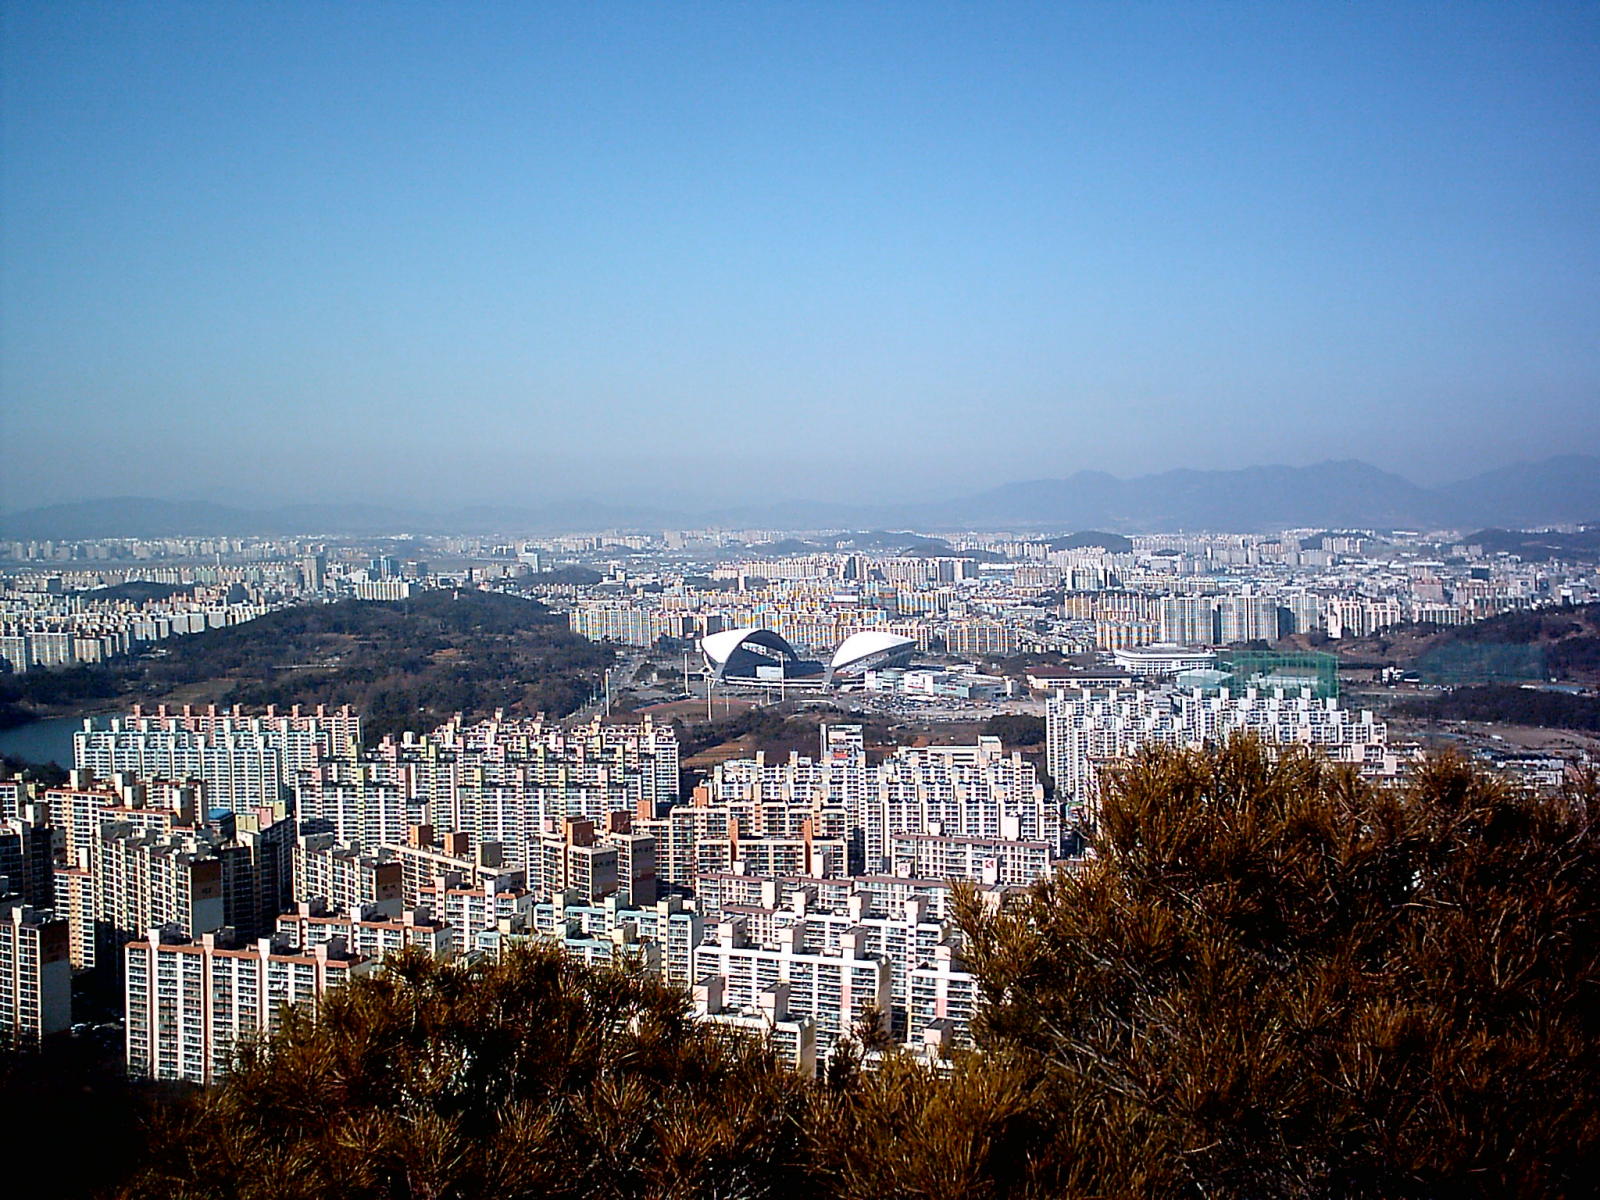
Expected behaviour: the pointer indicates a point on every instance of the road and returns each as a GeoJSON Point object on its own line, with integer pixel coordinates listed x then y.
{"type": "Point", "coordinates": [628, 660]}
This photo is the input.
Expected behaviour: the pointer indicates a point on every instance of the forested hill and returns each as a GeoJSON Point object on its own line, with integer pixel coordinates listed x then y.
{"type": "Point", "coordinates": [405, 664]}
{"type": "Point", "coordinates": [1516, 647]}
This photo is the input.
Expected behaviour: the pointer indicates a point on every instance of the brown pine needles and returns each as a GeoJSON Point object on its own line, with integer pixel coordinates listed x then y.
{"type": "Point", "coordinates": [1274, 979]}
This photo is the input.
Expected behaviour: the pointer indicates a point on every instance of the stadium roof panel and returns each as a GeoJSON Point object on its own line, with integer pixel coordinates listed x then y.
{"type": "Point", "coordinates": [722, 649]}
{"type": "Point", "coordinates": [868, 642]}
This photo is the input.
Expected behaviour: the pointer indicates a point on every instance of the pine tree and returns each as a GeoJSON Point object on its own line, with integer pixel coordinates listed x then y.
{"type": "Point", "coordinates": [1274, 979]}
{"type": "Point", "coordinates": [1279, 980]}
{"type": "Point", "coordinates": [535, 1076]}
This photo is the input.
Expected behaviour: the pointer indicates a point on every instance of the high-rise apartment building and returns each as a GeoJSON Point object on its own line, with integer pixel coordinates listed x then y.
{"type": "Point", "coordinates": [145, 881]}
{"type": "Point", "coordinates": [343, 877]}
{"type": "Point", "coordinates": [243, 761]}
{"type": "Point", "coordinates": [792, 1037]}
{"type": "Point", "coordinates": [955, 791]}
{"type": "Point", "coordinates": [500, 781]}
{"type": "Point", "coordinates": [1004, 861]}
{"type": "Point", "coordinates": [190, 1003]}
{"type": "Point", "coordinates": [35, 975]}
{"type": "Point", "coordinates": [1246, 619]}
{"type": "Point", "coordinates": [1189, 620]}
{"type": "Point", "coordinates": [27, 858]}
{"type": "Point", "coordinates": [427, 859]}
{"type": "Point", "coordinates": [359, 803]}
{"type": "Point", "coordinates": [78, 903]}
{"type": "Point", "coordinates": [371, 932]}
{"type": "Point", "coordinates": [981, 637]}
{"type": "Point", "coordinates": [840, 991]}
{"type": "Point", "coordinates": [1086, 729]}
{"type": "Point", "coordinates": [592, 864]}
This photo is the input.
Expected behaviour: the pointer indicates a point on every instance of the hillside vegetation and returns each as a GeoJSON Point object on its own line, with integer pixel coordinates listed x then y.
{"type": "Point", "coordinates": [1499, 703]}
{"type": "Point", "coordinates": [1519, 647]}
{"type": "Point", "coordinates": [404, 664]}
{"type": "Point", "coordinates": [1534, 545]}
{"type": "Point", "coordinates": [1274, 980]}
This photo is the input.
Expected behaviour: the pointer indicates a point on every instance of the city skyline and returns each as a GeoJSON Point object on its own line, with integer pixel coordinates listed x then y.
{"type": "Point", "coordinates": [854, 600]}
{"type": "Point", "coordinates": [414, 256]}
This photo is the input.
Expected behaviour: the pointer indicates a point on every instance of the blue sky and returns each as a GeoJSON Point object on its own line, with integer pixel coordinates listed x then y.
{"type": "Point", "coordinates": [482, 252]}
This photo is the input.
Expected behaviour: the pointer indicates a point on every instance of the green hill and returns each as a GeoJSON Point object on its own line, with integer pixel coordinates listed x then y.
{"type": "Point", "coordinates": [1560, 644]}
{"type": "Point", "coordinates": [405, 664]}
{"type": "Point", "coordinates": [1510, 705]}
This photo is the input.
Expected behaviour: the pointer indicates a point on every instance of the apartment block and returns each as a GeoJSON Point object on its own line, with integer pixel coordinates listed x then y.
{"type": "Point", "coordinates": [77, 902]}
{"type": "Point", "coordinates": [451, 859]}
{"type": "Point", "coordinates": [838, 990]}
{"type": "Point", "coordinates": [191, 1003]}
{"type": "Point", "coordinates": [371, 932]}
{"type": "Point", "coordinates": [15, 795]}
{"type": "Point", "coordinates": [963, 791]}
{"type": "Point", "coordinates": [575, 857]}
{"type": "Point", "coordinates": [35, 975]}
{"type": "Point", "coordinates": [343, 877]}
{"type": "Point", "coordinates": [942, 997]}
{"type": "Point", "coordinates": [792, 1037]}
{"type": "Point", "coordinates": [361, 804]}
{"type": "Point", "coordinates": [145, 881]}
{"type": "Point", "coordinates": [27, 857]}
{"type": "Point", "coordinates": [1003, 861]}
{"type": "Point", "coordinates": [796, 816]}
{"type": "Point", "coordinates": [500, 781]}
{"type": "Point", "coordinates": [242, 761]}
{"type": "Point", "coordinates": [1086, 730]}
{"type": "Point", "coordinates": [469, 911]}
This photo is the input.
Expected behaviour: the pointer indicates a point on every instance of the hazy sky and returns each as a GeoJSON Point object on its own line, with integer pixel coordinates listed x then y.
{"type": "Point", "coordinates": [479, 252]}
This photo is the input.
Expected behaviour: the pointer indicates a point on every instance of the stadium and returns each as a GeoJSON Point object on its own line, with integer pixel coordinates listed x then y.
{"type": "Point", "coordinates": [761, 657]}
{"type": "Point", "coordinates": [868, 650]}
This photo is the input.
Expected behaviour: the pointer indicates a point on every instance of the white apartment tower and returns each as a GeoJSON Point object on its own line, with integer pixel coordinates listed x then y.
{"type": "Point", "coordinates": [191, 1003]}
{"type": "Point", "coordinates": [35, 975]}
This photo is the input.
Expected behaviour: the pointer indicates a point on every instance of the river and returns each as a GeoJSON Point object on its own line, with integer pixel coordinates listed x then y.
{"type": "Point", "coordinates": [44, 741]}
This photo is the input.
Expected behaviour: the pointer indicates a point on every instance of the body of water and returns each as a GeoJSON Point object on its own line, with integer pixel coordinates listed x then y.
{"type": "Point", "coordinates": [42, 741]}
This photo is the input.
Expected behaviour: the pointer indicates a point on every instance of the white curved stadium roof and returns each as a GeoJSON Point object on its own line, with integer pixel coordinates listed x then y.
{"type": "Point", "coordinates": [719, 647]}
{"type": "Point", "coordinates": [869, 641]}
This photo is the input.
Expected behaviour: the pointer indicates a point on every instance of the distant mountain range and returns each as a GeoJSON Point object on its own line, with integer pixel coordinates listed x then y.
{"type": "Point", "coordinates": [1347, 494]}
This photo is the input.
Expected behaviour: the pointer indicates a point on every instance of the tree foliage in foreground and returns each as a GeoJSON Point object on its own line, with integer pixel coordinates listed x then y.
{"type": "Point", "coordinates": [536, 1077]}
{"type": "Point", "coordinates": [1275, 980]}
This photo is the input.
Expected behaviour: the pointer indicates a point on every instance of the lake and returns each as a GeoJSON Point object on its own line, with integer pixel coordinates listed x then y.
{"type": "Point", "coordinates": [44, 741]}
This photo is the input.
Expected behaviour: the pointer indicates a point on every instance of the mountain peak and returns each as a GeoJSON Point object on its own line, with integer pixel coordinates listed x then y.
{"type": "Point", "coordinates": [1334, 493]}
